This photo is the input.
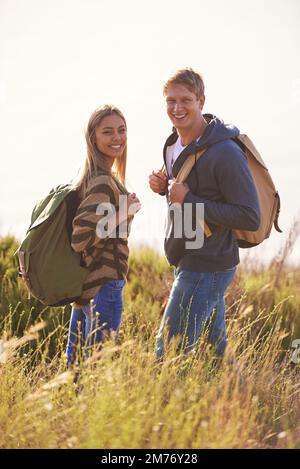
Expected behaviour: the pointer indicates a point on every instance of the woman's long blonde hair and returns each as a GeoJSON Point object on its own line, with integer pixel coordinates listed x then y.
{"type": "Point", "coordinates": [95, 159]}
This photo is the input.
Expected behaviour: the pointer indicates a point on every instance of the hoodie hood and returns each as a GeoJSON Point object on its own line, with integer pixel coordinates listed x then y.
{"type": "Point", "coordinates": [215, 132]}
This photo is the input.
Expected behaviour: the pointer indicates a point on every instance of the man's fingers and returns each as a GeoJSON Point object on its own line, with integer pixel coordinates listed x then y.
{"type": "Point", "coordinates": [157, 185]}
{"type": "Point", "coordinates": [159, 175]}
{"type": "Point", "coordinates": [155, 177]}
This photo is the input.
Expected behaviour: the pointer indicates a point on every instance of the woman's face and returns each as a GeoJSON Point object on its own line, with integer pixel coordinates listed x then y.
{"type": "Point", "coordinates": [111, 136]}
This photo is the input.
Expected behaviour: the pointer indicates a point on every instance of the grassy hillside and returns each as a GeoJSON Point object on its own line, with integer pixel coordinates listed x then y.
{"type": "Point", "coordinates": [127, 399]}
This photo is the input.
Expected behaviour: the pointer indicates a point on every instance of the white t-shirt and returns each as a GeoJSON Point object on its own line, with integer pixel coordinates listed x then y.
{"type": "Point", "coordinates": [172, 154]}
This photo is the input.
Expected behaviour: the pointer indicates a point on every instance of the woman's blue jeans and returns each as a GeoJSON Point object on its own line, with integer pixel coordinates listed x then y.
{"type": "Point", "coordinates": [196, 301]}
{"type": "Point", "coordinates": [91, 323]}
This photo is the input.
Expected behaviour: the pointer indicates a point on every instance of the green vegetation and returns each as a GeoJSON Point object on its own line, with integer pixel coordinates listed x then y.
{"type": "Point", "coordinates": [125, 398]}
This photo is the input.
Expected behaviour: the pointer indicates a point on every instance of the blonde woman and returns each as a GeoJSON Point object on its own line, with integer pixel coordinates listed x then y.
{"type": "Point", "coordinates": [100, 231]}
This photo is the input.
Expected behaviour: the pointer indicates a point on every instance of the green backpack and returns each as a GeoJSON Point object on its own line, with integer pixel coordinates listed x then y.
{"type": "Point", "coordinates": [52, 271]}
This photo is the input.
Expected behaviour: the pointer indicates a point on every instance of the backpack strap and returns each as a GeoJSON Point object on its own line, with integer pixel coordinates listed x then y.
{"type": "Point", "coordinates": [188, 165]}
{"type": "Point", "coordinates": [182, 175]}
{"type": "Point", "coordinates": [120, 186]}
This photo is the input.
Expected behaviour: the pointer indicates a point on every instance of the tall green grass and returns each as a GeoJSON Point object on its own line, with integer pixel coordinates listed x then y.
{"type": "Point", "coordinates": [125, 398]}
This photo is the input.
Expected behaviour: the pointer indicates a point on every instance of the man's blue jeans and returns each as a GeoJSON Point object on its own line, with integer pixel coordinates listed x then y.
{"type": "Point", "coordinates": [92, 322]}
{"type": "Point", "coordinates": [196, 301]}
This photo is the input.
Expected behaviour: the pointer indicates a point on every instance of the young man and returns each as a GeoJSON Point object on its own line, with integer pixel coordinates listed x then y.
{"type": "Point", "coordinates": [221, 183]}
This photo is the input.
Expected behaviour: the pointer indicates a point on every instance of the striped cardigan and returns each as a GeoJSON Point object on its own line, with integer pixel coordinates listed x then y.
{"type": "Point", "coordinates": [107, 258]}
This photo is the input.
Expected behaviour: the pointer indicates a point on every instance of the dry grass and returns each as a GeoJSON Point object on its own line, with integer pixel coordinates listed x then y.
{"type": "Point", "coordinates": [125, 399]}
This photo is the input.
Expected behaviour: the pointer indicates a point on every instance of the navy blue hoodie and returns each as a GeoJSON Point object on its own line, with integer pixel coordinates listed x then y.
{"type": "Point", "coordinates": [221, 179]}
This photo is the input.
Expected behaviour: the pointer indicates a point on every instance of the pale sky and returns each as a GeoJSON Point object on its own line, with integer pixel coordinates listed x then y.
{"type": "Point", "coordinates": [60, 59]}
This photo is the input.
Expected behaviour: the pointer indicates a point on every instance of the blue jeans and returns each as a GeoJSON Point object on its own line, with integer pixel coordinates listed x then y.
{"type": "Point", "coordinates": [92, 322]}
{"type": "Point", "coordinates": [196, 301]}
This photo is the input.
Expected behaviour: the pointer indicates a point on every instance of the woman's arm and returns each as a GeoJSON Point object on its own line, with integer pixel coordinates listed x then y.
{"type": "Point", "coordinates": [99, 214]}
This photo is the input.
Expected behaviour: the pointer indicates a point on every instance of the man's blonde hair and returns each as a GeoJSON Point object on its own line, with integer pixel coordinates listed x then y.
{"type": "Point", "coordinates": [187, 77]}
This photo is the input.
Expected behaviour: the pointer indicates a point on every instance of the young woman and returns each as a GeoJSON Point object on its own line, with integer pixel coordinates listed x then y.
{"type": "Point", "coordinates": [100, 231]}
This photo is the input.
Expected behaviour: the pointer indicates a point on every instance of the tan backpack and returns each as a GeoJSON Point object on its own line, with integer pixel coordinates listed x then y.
{"type": "Point", "coordinates": [269, 200]}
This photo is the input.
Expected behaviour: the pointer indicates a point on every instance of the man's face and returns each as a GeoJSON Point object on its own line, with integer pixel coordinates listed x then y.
{"type": "Point", "coordinates": [183, 107]}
